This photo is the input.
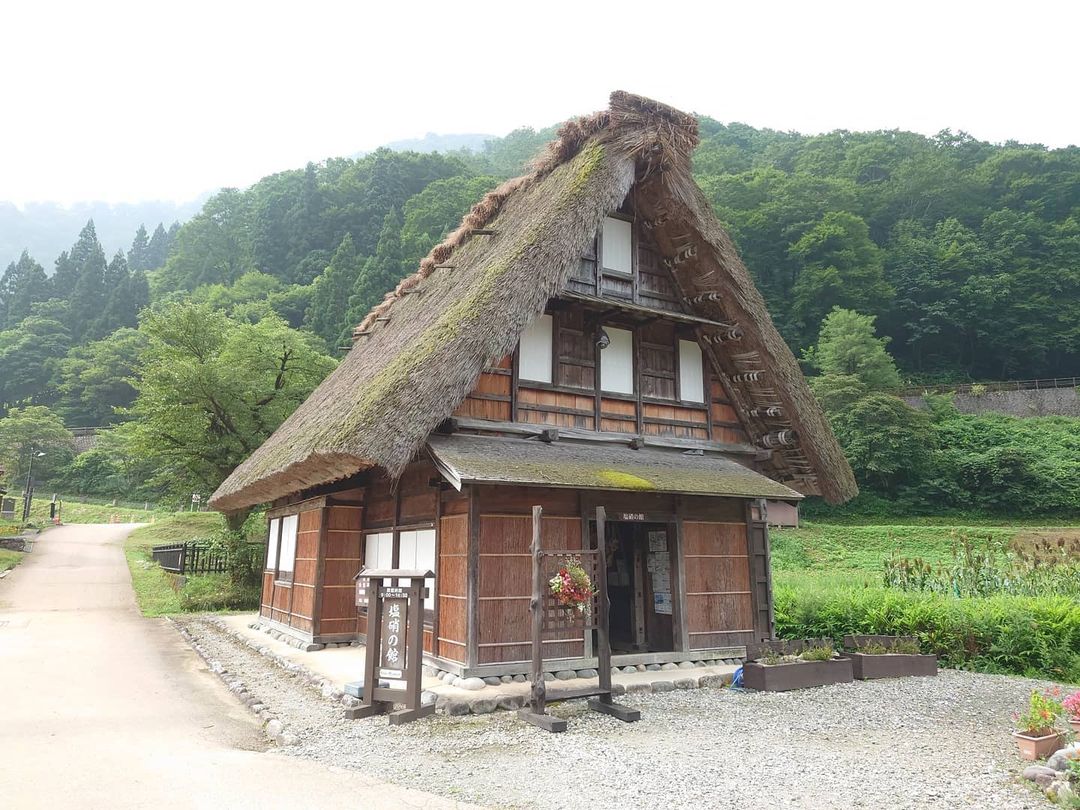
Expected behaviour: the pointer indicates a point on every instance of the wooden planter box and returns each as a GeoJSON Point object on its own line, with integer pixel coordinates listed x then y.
{"type": "Point", "coordinates": [891, 665]}
{"type": "Point", "coordinates": [796, 675]}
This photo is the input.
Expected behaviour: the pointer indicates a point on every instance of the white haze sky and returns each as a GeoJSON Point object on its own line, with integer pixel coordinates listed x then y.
{"type": "Point", "coordinates": [121, 101]}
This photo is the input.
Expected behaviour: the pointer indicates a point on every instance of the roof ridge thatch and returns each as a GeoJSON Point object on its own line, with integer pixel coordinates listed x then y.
{"type": "Point", "coordinates": [421, 354]}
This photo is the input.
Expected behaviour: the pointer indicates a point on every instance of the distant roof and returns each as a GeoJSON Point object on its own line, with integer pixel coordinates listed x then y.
{"type": "Point", "coordinates": [420, 351]}
{"type": "Point", "coordinates": [464, 458]}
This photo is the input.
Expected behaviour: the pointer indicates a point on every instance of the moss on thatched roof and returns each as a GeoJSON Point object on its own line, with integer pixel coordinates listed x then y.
{"type": "Point", "coordinates": [421, 350]}
{"type": "Point", "coordinates": [583, 465]}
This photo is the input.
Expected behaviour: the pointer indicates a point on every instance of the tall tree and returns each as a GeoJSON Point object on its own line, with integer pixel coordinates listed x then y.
{"type": "Point", "coordinates": [848, 346]}
{"type": "Point", "coordinates": [157, 249]}
{"type": "Point", "coordinates": [211, 389]}
{"type": "Point", "coordinates": [326, 316]}
{"type": "Point", "coordinates": [32, 430]}
{"type": "Point", "coordinates": [379, 275]}
{"type": "Point", "coordinates": [841, 266]}
{"type": "Point", "coordinates": [138, 255]}
{"type": "Point", "coordinates": [24, 284]}
{"type": "Point", "coordinates": [88, 293]}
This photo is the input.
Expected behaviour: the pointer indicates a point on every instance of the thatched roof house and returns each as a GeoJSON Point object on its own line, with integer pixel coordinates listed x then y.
{"type": "Point", "coordinates": [420, 352]}
{"type": "Point", "coordinates": [584, 364]}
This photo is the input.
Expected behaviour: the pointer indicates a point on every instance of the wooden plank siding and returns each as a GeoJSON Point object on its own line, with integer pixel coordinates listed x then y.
{"type": "Point", "coordinates": [293, 603]}
{"type": "Point", "coordinates": [505, 577]}
{"type": "Point", "coordinates": [342, 559]}
{"type": "Point", "coordinates": [719, 602]}
{"type": "Point", "coordinates": [451, 586]}
{"type": "Point", "coordinates": [491, 396]}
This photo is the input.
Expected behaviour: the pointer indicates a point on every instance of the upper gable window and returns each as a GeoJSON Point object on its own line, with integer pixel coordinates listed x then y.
{"type": "Point", "coordinates": [534, 361]}
{"type": "Point", "coordinates": [617, 245]}
{"type": "Point", "coordinates": [617, 362]}
{"type": "Point", "coordinates": [691, 372]}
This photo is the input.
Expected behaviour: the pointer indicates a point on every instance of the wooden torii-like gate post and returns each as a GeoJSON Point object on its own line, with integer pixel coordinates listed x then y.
{"type": "Point", "coordinates": [547, 616]}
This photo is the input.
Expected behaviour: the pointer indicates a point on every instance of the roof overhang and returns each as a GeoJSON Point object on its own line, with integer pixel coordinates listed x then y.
{"type": "Point", "coordinates": [468, 459]}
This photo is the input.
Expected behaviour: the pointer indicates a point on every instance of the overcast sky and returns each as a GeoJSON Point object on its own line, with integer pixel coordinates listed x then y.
{"type": "Point", "coordinates": [151, 100]}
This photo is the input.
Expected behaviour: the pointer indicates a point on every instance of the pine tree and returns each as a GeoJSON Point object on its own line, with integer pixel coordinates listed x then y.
{"type": "Point", "coordinates": [138, 256]}
{"type": "Point", "coordinates": [326, 316]}
{"type": "Point", "coordinates": [379, 275]}
{"type": "Point", "coordinates": [64, 276]}
{"type": "Point", "coordinates": [88, 293]}
{"type": "Point", "coordinates": [157, 250]}
{"type": "Point", "coordinates": [117, 311]}
{"type": "Point", "coordinates": [23, 285]}
{"type": "Point", "coordinates": [138, 294]}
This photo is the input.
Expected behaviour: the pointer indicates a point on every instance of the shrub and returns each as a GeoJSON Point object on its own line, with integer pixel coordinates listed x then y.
{"type": "Point", "coordinates": [1034, 636]}
{"type": "Point", "coordinates": [217, 592]}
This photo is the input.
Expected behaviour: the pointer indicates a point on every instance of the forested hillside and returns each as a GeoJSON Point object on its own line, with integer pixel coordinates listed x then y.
{"type": "Point", "coordinates": [967, 253]}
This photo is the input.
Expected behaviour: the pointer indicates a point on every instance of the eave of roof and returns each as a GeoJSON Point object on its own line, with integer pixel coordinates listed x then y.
{"type": "Point", "coordinates": [463, 458]}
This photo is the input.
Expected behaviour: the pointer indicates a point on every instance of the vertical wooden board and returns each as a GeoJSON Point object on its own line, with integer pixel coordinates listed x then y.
{"type": "Point", "coordinates": [704, 538]}
{"type": "Point", "coordinates": [502, 620]}
{"type": "Point", "coordinates": [303, 601]}
{"type": "Point", "coordinates": [344, 518]}
{"type": "Point", "coordinates": [454, 534]}
{"type": "Point", "coordinates": [723, 574]}
{"type": "Point", "coordinates": [304, 573]}
{"type": "Point", "coordinates": [339, 602]}
{"type": "Point", "coordinates": [505, 534]}
{"type": "Point", "coordinates": [714, 612]}
{"type": "Point", "coordinates": [515, 500]}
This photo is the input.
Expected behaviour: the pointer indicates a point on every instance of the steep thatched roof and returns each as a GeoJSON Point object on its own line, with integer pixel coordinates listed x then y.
{"type": "Point", "coordinates": [422, 349]}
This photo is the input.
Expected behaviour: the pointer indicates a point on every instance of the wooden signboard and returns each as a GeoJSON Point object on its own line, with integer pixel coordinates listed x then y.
{"type": "Point", "coordinates": [394, 600]}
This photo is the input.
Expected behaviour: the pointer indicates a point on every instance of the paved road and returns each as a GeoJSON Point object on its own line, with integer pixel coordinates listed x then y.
{"type": "Point", "coordinates": [100, 707]}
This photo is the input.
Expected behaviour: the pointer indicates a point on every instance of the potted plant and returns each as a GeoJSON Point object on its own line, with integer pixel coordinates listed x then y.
{"type": "Point", "coordinates": [888, 657]}
{"type": "Point", "coordinates": [1071, 705]}
{"type": "Point", "coordinates": [1036, 736]}
{"type": "Point", "coordinates": [779, 666]}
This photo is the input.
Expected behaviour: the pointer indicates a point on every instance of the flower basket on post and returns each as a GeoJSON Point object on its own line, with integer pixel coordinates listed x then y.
{"type": "Point", "coordinates": [565, 597]}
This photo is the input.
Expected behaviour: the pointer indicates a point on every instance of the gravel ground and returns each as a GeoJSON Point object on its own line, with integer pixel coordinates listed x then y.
{"type": "Point", "coordinates": [911, 743]}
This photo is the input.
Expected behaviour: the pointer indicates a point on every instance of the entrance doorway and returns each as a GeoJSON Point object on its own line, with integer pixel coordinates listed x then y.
{"type": "Point", "coordinates": [639, 587]}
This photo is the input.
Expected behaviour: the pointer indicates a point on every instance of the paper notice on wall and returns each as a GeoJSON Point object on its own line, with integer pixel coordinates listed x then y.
{"type": "Point", "coordinates": [657, 541]}
{"type": "Point", "coordinates": [659, 565]}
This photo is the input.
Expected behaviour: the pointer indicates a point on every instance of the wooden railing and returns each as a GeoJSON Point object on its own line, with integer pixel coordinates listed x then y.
{"type": "Point", "coordinates": [987, 387]}
{"type": "Point", "coordinates": [195, 557]}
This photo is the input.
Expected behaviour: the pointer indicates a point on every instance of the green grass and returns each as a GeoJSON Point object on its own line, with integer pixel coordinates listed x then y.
{"type": "Point", "coordinates": [829, 582]}
{"type": "Point", "coordinates": [829, 548]}
{"type": "Point", "coordinates": [155, 590]}
{"type": "Point", "coordinates": [9, 559]}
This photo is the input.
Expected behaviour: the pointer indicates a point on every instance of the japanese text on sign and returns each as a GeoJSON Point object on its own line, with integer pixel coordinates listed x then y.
{"type": "Point", "coordinates": [392, 648]}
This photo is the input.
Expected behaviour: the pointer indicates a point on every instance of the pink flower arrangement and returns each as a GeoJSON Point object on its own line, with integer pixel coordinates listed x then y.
{"type": "Point", "coordinates": [1072, 705]}
{"type": "Point", "coordinates": [572, 587]}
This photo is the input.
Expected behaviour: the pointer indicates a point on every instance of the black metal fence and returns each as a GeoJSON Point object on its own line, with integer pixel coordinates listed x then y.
{"type": "Point", "coordinates": [982, 388]}
{"type": "Point", "coordinates": [196, 557]}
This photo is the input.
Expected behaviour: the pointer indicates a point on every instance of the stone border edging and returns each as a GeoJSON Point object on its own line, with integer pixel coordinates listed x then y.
{"type": "Point", "coordinates": [478, 703]}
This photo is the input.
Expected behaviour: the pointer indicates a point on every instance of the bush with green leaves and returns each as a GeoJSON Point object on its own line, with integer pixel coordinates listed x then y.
{"type": "Point", "coordinates": [1033, 636]}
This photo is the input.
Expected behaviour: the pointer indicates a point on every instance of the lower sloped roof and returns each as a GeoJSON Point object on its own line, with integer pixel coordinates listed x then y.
{"type": "Point", "coordinates": [464, 458]}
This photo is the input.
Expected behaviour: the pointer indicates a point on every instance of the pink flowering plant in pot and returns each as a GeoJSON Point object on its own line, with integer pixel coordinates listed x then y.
{"type": "Point", "coordinates": [1071, 705]}
{"type": "Point", "coordinates": [1036, 734]}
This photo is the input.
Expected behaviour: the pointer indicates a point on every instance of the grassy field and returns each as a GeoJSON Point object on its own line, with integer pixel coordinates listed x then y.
{"type": "Point", "coordinates": [157, 592]}
{"type": "Point", "coordinates": [829, 582]}
{"type": "Point", "coordinates": [845, 554]}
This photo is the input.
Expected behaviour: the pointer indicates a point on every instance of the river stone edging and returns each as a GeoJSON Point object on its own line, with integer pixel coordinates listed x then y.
{"type": "Point", "coordinates": [272, 726]}
{"type": "Point", "coordinates": [478, 698]}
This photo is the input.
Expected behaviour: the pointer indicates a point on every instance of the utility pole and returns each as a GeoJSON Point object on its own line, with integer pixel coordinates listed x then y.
{"type": "Point", "coordinates": [28, 489]}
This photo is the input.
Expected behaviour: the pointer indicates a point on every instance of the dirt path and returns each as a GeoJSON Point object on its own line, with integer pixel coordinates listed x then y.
{"type": "Point", "coordinates": [100, 707]}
